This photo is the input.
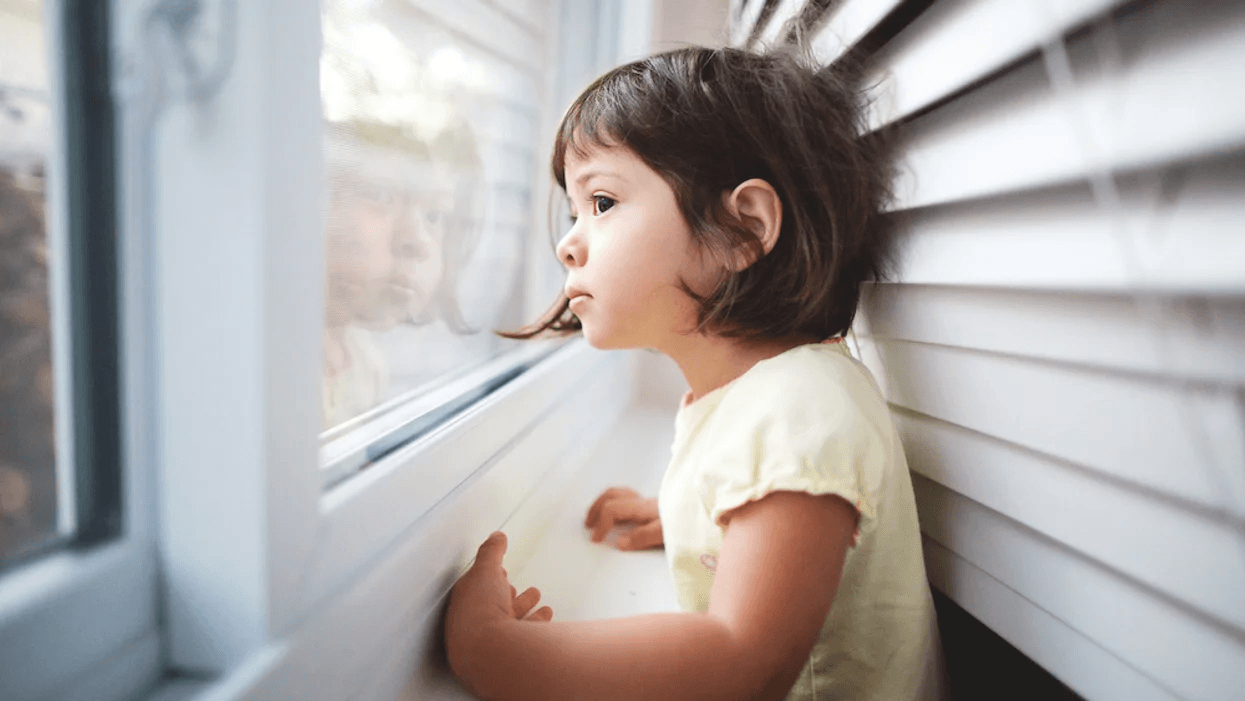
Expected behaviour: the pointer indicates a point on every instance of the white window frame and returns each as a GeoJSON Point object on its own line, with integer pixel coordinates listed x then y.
{"type": "Point", "coordinates": [251, 544]}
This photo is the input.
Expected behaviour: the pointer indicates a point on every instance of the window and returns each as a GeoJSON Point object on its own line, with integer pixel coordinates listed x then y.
{"type": "Point", "coordinates": [59, 479]}
{"type": "Point", "coordinates": [375, 126]}
{"type": "Point", "coordinates": [220, 526]}
{"type": "Point", "coordinates": [429, 138]}
{"type": "Point", "coordinates": [425, 140]}
{"type": "Point", "coordinates": [74, 541]}
{"type": "Point", "coordinates": [29, 491]}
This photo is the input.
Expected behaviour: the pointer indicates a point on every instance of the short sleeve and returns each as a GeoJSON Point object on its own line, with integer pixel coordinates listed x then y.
{"type": "Point", "coordinates": [794, 428]}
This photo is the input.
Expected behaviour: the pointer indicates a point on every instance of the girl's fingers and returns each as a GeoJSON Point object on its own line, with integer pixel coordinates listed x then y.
{"type": "Point", "coordinates": [544, 613]}
{"type": "Point", "coordinates": [594, 511]}
{"type": "Point", "coordinates": [524, 602]}
{"type": "Point", "coordinates": [641, 537]}
{"type": "Point", "coordinates": [608, 495]}
{"type": "Point", "coordinates": [492, 550]}
{"type": "Point", "coordinates": [620, 511]}
{"type": "Point", "coordinates": [604, 522]}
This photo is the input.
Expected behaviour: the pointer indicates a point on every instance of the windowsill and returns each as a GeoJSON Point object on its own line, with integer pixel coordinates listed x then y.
{"type": "Point", "coordinates": [583, 580]}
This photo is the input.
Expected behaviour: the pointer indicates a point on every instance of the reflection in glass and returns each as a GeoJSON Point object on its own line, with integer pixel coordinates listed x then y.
{"type": "Point", "coordinates": [28, 489]}
{"type": "Point", "coordinates": [411, 297]}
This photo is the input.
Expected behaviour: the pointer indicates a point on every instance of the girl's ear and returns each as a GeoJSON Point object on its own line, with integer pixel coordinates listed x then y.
{"type": "Point", "coordinates": [755, 203]}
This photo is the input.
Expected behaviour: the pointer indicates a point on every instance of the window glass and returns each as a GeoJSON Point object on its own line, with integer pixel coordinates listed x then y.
{"type": "Point", "coordinates": [428, 141]}
{"type": "Point", "coordinates": [28, 476]}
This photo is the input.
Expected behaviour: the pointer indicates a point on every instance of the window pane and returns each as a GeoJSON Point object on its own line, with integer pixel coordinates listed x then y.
{"type": "Point", "coordinates": [429, 136]}
{"type": "Point", "coordinates": [28, 479]}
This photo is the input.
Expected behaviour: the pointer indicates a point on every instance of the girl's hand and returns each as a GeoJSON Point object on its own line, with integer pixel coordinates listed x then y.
{"type": "Point", "coordinates": [620, 505]}
{"type": "Point", "coordinates": [481, 601]}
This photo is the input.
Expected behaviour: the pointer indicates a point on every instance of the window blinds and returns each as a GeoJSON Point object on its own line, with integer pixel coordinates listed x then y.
{"type": "Point", "coordinates": [1063, 340]}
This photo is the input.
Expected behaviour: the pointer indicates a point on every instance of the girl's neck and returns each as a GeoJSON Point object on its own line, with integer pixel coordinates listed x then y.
{"type": "Point", "coordinates": [709, 362]}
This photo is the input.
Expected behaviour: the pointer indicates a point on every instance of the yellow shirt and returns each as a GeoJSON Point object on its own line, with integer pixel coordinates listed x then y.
{"type": "Point", "coordinates": [812, 420]}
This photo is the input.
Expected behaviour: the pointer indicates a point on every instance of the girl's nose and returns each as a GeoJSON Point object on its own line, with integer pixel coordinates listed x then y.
{"type": "Point", "coordinates": [572, 249]}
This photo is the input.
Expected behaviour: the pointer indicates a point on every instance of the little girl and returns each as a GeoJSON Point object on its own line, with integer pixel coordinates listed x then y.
{"type": "Point", "coordinates": [727, 208]}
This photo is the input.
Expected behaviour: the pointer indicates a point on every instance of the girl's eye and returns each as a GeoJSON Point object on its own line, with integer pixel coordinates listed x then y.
{"type": "Point", "coordinates": [602, 204]}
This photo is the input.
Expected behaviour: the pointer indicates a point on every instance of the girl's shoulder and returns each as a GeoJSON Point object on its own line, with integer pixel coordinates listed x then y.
{"type": "Point", "coordinates": [809, 384]}
{"type": "Point", "coordinates": [803, 374]}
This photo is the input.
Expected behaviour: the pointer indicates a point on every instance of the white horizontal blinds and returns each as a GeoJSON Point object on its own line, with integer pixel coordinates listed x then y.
{"type": "Point", "coordinates": [779, 21]}
{"type": "Point", "coordinates": [745, 22]}
{"type": "Point", "coordinates": [1076, 415]}
{"type": "Point", "coordinates": [846, 23]}
{"type": "Point", "coordinates": [1063, 342]}
{"type": "Point", "coordinates": [932, 59]}
{"type": "Point", "coordinates": [1153, 88]}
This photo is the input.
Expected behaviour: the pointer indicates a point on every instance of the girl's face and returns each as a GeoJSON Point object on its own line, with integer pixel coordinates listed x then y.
{"type": "Point", "coordinates": [628, 253]}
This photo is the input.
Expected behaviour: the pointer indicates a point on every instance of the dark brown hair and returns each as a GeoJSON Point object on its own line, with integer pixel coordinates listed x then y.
{"type": "Point", "coordinates": [707, 120]}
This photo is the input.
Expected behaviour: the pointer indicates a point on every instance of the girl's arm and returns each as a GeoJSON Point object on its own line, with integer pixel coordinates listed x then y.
{"type": "Point", "coordinates": [777, 574]}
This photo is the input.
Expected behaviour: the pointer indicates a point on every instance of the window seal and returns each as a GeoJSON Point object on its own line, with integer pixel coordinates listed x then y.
{"type": "Point", "coordinates": [349, 449]}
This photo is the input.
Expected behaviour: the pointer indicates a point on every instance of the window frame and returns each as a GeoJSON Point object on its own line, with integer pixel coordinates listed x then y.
{"type": "Point", "coordinates": [102, 578]}
{"type": "Point", "coordinates": [228, 544]}
{"type": "Point", "coordinates": [240, 581]}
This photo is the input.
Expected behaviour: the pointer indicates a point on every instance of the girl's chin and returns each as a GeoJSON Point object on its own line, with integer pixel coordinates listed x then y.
{"type": "Point", "coordinates": [601, 340]}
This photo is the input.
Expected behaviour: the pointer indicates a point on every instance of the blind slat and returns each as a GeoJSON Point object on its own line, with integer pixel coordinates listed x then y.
{"type": "Point", "coordinates": [1155, 638]}
{"type": "Point", "coordinates": [955, 43]}
{"type": "Point", "coordinates": [1177, 230]}
{"type": "Point", "coordinates": [1127, 427]}
{"type": "Point", "coordinates": [848, 24]}
{"type": "Point", "coordinates": [742, 29]}
{"type": "Point", "coordinates": [1130, 530]}
{"type": "Point", "coordinates": [1184, 338]}
{"type": "Point", "coordinates": [1181, 99]}
{"type": "Point", "coordinates": [773, 31]}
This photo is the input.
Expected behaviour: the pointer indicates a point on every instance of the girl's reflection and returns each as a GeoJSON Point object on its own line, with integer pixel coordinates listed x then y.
{"type": "Point", "coordinates": [395, 240]}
